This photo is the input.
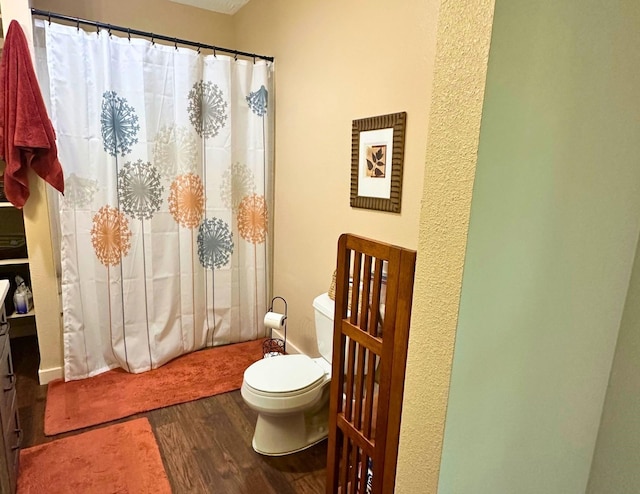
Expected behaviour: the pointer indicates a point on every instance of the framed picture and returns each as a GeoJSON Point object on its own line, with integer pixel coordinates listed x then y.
{"type": "Point", "coordinates": [377, 154]}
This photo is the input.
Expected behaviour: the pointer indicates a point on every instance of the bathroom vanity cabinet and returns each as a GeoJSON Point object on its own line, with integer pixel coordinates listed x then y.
{"type": "Point", "coordinates": [11, 435]}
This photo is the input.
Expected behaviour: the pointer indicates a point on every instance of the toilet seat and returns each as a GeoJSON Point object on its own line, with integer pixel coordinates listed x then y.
{"type": "Point", "coordinates": [284, 375]}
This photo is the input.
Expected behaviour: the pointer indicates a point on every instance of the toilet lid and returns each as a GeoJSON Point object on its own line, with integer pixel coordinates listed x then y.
{"type": "Point", "coordinates": [283, 374]}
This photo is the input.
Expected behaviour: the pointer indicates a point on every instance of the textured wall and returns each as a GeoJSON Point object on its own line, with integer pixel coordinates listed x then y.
{"type": "Point", "coordinates": [334, 64]}
{"type": "Point", "coordinates": [554, 225]}
{"type": "Point", "coordinates": [464, 32]}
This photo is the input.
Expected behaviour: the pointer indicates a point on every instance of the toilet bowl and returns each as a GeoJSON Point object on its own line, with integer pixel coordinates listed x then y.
{"type": "Point", "coordinates": [291, 392]}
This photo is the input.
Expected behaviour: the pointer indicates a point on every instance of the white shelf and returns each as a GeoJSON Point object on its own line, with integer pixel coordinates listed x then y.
{"type": "Point", "coordinates": [15, 315]}
{"type": "Point", "coordinates": [9, 262]}
{"type": "Point", "coordinates": [6, 204]}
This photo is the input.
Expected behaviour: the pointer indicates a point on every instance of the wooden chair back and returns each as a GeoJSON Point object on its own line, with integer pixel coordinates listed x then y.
{"type": "Point", "coordinates": [369, 358]}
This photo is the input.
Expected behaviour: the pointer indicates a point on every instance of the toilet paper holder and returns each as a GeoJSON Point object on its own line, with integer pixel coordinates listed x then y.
{"type": "Point", "coordinates": [274, 346]}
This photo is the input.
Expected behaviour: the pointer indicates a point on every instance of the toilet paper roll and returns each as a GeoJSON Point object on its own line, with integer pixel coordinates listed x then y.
{"type": "Point", "coordinates": [274, 320]}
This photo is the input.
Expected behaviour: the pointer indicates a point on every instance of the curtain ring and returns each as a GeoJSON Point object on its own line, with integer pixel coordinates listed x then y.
{"type": "Point", "coordinates": [129, 34]}
{"type": "Point", "coordinates": [153, 42]}
{"type": "Point", "coordinates": [214, 52]}
{"type": "Point", "coordinates": [175, 43]}
{"type": "Point", "coordinates": [235, 57]}
{"type": "Point", "coordinates": [254, 60]}
{"type": "Point", "coordinates": [109, 29]}
{"type": "Point", "coordinates": [78, 24]}
{"type": "Point", "coordinates": [49, 18]}
{"type": "Point", "coordinates": [198, 49]}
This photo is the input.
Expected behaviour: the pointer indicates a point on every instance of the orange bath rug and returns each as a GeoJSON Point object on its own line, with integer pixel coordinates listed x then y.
{"type": "Point", "coordinates": [117, 394]}
{"type": "Point", "coordinates": [121, 458]}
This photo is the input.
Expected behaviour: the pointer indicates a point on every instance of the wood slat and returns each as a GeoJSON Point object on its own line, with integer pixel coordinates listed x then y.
{"type": "Point", "coordinates": [356, 334]}
{"type": "Point", "coordinates": [364, 418]}
{"type": "Point", "coordinates": [357, 437]}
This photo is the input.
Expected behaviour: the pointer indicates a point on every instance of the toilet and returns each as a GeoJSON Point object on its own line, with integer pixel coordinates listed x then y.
{"type": "Point", "coordinates": [291, 392]}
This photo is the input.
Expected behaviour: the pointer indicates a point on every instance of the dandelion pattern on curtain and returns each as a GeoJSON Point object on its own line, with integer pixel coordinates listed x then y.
{"type": "Point", "coordinates": [175, 151]}
{"type": "Point", "coordinates": [79, 191]}
{"type": "Point", "coordinates": [257, 101]}
{"type": "Point", "coordinates": [186, 200]}
{"type": "Point", "coordinates": [175, 189]}
{"type": "Point", "coordinates": [110, 235]}
{"type": "Point", "coordinates": [119, 124]}
{"type": "Point", "coordinates": [215, 246]}
{"type": "Point", "coordinates": [140, 195]}
{"type": "Point", "coordinates": [237, 183]}
{"type": "Point", "coordinates": [207, 108]}
{"type": "Point", "coordinates": [139, 189]}
{"type": "Point", "coordinates": [253, 226]}
{"type": "Point", "coordinates": [186, 205]}
{"type": "Point", "coordinates": [111, 240]}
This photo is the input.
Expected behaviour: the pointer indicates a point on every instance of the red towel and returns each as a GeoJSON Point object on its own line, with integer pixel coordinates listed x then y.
{"type": "Point", "coordinates": [27, 137]}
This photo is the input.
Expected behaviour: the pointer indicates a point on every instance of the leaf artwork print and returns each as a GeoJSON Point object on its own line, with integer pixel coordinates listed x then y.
{"type": "Point", "coordinates": [257, 101]}
{"type": "Point", "coordinates": [110, 235]}
{"type": "Point", "coordinates": [119, 124]}
{"type": "Point", "coordinates": [78, 191]}
{"type": "Point", "coordinates": [252, 219]}
{"type": "Point", "coordinates": [175, 151]}
{"type": "Point", "coordinates": [215, 243]}
{"type": "Point", "coordinates": [237, 183]}
{"type": "Point", "coordinates": [376, 161]}
{"type": "Point", "coordinates": [139, 189]}
{"type": "Point", "coordinates": [186, 200]}
{"type": "Point", "coordinates": [207, 108]}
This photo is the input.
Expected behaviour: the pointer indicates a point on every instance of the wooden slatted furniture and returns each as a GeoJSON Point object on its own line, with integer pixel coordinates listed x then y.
{"type": "Point", "coordinates": [369, 359]}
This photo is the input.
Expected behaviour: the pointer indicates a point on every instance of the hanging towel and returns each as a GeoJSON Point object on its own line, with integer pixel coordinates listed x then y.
{"type": "Point", "coordinates": [27, 138]}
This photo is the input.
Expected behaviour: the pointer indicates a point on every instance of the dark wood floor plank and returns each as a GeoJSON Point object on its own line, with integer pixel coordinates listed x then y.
{"type": "Point", "coordinates": [205, 444]}
{"type": "Point", "coordinates": [311, 483]}
{"type": "Point", "coordinates": [184, 476]}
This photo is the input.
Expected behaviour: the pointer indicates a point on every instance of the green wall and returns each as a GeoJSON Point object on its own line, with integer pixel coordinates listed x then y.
{"type": "Point", "coordinates": [554, 225]}
{"type": "Point", "coordinates": [616, 461]}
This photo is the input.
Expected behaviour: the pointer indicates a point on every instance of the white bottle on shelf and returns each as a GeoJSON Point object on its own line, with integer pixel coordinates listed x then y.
{"type": "Point", "coordinates": [22, 298]}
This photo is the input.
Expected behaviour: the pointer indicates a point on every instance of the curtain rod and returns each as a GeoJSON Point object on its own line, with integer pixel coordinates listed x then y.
{"type": "Point", "coordinates": [146, 34]}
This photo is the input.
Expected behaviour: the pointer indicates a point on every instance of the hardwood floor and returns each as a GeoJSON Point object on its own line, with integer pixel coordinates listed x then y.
{"type": "Point", "coordinates": [205, 444]}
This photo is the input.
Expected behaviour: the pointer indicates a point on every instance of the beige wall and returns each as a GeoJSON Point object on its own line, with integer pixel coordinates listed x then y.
{"type": "Point", "coordinates": [337, 61]}
{"type": "Point", "coordinates": [157, 16]}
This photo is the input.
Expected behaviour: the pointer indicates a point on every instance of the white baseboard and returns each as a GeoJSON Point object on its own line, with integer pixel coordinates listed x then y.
{"type": "Point", "coordinates": [47, 375]}
{"type": "Point", "coordinates": [291, 348]}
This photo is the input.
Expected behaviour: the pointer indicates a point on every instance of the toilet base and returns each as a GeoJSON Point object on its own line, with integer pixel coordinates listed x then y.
{"type": "Point", "coordinates": [279, 435]}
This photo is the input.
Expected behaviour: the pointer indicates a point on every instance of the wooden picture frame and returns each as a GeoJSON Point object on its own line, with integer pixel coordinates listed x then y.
{"type": "Point", "coordinates": [377, 155]}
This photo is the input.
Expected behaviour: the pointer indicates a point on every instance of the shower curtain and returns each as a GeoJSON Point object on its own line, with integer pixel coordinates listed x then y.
{"type": "Point", "coordinates": [165, 232]}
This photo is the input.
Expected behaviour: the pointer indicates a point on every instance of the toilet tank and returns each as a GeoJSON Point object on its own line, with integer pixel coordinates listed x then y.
{"type": "Point", "coordinates": [324, 310]}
